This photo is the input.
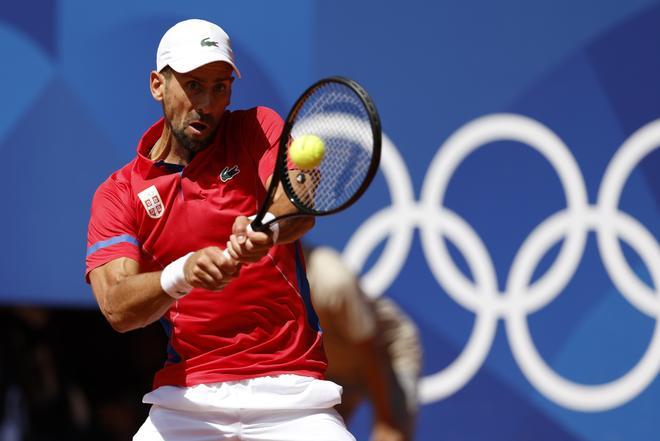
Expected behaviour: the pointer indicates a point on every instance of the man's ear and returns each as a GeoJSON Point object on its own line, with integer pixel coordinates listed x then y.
{"type": "Point", "coordinates": [157, 85]}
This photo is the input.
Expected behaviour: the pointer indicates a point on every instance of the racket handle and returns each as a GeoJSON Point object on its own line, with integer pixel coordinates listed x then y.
{"type": "Point", "coordinates": [260, 224]}
{"type": "Point", "coordinates": [257, 226]}
{"type": "Point", "coordinates": [263, 225]}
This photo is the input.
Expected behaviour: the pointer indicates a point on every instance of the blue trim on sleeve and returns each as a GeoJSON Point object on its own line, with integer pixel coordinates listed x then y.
{"type": "Point", "coordinates": [112, 241]}
{"type": "Point", "coordinates": [303, 285]}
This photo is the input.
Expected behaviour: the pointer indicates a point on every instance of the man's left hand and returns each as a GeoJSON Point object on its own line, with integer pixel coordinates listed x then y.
{"type": "Point", "coordinates": [245, 245]}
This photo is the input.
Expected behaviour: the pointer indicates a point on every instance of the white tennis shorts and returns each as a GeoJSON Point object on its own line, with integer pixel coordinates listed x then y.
{"type": "Point", "coordinates": [279, 408]}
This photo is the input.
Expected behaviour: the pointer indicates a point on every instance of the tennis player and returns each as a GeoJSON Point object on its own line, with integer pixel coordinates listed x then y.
{"type": "Point", "coordinates": [244, 358]}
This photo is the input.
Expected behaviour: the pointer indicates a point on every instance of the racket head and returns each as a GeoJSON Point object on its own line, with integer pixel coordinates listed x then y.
{"type": "Point", "coordinates": [342, 114]}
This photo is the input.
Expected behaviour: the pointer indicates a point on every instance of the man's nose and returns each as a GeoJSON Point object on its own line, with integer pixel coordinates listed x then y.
{"type": "Point", "coordinates": [204, 103]}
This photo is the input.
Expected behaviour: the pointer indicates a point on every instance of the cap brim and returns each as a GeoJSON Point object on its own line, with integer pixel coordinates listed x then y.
{"type": "Point", "coordinates": [190, 63]}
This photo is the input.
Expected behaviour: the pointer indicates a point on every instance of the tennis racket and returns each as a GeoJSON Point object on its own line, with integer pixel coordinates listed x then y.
{"type": "Point", "coordinates": [341, 114]}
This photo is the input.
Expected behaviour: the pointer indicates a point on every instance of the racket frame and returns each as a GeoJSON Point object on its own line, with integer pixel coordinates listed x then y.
{"type": "Point", "coordinates": [281, 172]}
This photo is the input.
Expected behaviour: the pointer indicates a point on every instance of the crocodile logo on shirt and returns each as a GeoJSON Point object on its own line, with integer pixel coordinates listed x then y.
{"type": "Point", "coordinates": [208, 42]}
{"type": "Point", "coordinates": [227, 173]}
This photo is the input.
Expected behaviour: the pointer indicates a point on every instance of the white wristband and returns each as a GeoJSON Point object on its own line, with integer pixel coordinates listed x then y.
{"type": "Point", "coordinates": [173, 279]}
{"type": "Point", "coordinates": [274, 227]}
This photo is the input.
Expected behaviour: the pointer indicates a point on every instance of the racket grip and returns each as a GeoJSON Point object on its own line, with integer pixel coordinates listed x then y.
{"type": "Point", "coordinates": [264, 225]}
{"type": "Point", "coordinates": [258, 227]}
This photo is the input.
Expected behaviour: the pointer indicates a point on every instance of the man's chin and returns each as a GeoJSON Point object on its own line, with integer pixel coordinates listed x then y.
{"type": "Point", "coordinates": [192, 144]}
{"type": "Point", "coordinates": [195, 146]}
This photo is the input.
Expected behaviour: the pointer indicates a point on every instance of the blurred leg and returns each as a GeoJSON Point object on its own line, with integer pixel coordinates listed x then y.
{"type": "Point", "coordinates": [351, 398]}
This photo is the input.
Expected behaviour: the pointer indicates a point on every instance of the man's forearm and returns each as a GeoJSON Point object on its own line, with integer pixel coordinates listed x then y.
{"type": "Point", "coordinates": [294, 228]}
{"type": "Point", "coordinates": [135, 302]}
{"type": "Point", "coordinates": [130, 299]}
{"type": "Point", "coordinates": [377, 374]}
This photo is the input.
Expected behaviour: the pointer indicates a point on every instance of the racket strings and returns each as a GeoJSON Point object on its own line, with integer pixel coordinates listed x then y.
{"type": "Point", "coordinates": [337, 115]}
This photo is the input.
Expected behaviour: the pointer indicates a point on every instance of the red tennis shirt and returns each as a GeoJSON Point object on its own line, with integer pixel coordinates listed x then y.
{"type": "Point", "coordinates": [262, 323]}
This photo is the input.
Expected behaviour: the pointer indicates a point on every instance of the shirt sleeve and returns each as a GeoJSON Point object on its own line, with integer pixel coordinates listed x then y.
{"type": "Point", "coordinates": [112, 231]}
{"type": "Point", "coordinates": [266, 138]}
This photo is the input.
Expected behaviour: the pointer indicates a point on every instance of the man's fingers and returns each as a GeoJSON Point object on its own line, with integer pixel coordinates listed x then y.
{"type": "Point", "coordinates": [250, 246]}
{"type": "Point", "coordinates": [204, 280]}
{"type": "Point", "coordinates": [258, 241]}
{"type": "Point", "coordinates": [231, 268]}
{"type": "Point", "coordinates": [213, 283]}
{"type": "Point", "coordinates": [247, 252]}
{"type": "Point", "coordinates": [237, 247]}
{"type": "Point", "coordinates": [240, 228]}
{"type": "Point", "coordinates": [231, 250]}
{"type": "Point", "coordinates": [210, 268]}
{"type": "Point", "coordinates": [213, 270]}
{"type": "Point", "coordinates": [208, 273]}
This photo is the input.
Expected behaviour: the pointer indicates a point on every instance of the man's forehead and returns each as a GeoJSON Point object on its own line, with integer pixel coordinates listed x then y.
{"type": "Point", "coordinates": [216, 66]}
{"type": "Point", "coordinates": [211, 71]}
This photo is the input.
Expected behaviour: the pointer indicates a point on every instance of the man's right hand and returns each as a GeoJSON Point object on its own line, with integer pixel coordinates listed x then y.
{"type": "Point", "coordinates": [210, 269]}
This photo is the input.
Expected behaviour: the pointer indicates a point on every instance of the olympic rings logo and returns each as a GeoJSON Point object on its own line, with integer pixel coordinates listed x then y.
{"type": "Point", "coordinates": [520, 297]}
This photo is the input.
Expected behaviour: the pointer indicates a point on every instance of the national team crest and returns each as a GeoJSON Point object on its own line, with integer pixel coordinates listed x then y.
{"type": "Point", "coordinates": [152, 202]}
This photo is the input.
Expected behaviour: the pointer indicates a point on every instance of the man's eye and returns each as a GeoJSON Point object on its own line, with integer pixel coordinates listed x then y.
{"type": "Point", "coordinates": [193, 85]}
{"type": "Point", "coordinates": [220, 87]}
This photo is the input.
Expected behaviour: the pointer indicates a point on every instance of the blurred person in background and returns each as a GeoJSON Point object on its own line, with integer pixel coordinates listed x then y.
{"type": "Point", "coordinates": [372, 346]}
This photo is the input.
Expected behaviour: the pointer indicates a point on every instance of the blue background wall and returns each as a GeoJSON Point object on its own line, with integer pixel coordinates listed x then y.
{"type": "Point", "coordinates": [75, 100]}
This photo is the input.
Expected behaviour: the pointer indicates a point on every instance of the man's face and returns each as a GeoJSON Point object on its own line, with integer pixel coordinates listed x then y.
{"type": "Point", "coordinates": [193, 103]}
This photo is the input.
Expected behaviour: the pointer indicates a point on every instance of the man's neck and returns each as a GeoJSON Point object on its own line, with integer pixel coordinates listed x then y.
{"type": "Point", "coordinates": [168, 149]}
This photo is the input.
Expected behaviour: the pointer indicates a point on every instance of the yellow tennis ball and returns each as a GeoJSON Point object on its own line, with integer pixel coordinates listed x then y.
{"type": "Point", "coordinates": [307, 151]}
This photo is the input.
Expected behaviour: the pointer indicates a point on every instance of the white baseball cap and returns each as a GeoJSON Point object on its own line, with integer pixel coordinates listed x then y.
{"type": "Point", "coordinates": [193, 43]}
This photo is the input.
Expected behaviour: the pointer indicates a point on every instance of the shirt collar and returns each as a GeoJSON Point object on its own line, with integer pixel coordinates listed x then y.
{"type": "Point", "coordinates": [145, 165]}
{"type": "Point", "coordinates": [148, 167]}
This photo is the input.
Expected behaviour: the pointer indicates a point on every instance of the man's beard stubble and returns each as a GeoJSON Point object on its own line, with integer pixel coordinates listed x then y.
{"type": "Point", "coordinates": [184, 140]}
{"type": "Point", "coordinates": [189, 144]}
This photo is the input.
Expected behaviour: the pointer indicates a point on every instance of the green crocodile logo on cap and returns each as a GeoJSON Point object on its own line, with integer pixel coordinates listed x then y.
{"type": "Point", "coordinates": [208, 42]}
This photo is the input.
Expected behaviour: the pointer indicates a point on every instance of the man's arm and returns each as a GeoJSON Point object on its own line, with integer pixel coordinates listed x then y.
{"type": "Point", "coordinates": [130, 300]}
{"type": "Point", "coordinates": [384, 391]}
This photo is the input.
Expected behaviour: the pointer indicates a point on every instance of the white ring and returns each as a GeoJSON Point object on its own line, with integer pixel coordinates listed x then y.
{"type": "Point", "coordinates": [520, 297]}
